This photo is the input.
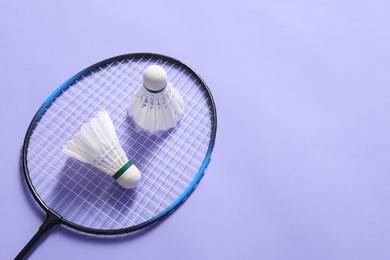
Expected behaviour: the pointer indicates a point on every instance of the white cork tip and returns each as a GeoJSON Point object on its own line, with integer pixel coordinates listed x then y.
{"type": "Point", "coordinates": [155, 78]}
{"type": "Point", "coordinates": [130, 178]}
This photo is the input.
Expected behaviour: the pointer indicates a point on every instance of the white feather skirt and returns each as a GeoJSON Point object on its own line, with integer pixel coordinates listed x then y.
{"type": "Point", "coordinates": [156, 111]}
{"type": "Point", "coordinates": [97, 143]}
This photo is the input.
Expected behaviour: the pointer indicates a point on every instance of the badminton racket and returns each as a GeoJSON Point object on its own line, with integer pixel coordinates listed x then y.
{"type": "Point", "coordinates": [172, 163]}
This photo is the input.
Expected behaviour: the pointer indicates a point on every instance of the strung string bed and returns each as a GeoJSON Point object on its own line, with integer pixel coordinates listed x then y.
{"type": "Point", "coordinates": [169, 161]}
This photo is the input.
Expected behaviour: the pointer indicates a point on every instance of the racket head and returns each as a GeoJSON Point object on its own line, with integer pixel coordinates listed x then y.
{"type": "Point", "coordinates": [172, 162]}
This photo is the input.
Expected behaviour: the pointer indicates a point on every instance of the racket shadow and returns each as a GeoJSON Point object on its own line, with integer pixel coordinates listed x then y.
{"type": "Point", "coordinates": [104, 239]}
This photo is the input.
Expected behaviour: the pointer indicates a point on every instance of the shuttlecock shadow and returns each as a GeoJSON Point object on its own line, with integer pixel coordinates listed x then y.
{"type": "Point", "coordinates": [83, 190]}
{"type": "Point", "coordinates": [142, 142]}
{"type": "Point", "coordinates": [68, 231]}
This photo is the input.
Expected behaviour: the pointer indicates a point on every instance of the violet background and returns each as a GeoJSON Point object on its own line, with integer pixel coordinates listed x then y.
{"type": "Point", "coordinates": [301, 166]}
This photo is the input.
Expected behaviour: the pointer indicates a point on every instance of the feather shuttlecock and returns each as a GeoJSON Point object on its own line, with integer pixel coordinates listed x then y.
{"type": "Point", "coordinates": [97, 144]}
{"type": "Point", "coordinates": [156, 104]}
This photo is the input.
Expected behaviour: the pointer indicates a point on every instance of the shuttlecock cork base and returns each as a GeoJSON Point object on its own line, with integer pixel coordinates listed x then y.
{"type": "Point", "coordinates": [97, 144]}
{"type": "Point", "coordinates": [128, 176]}
{"type": "Point", "coordinates": [156, 104]}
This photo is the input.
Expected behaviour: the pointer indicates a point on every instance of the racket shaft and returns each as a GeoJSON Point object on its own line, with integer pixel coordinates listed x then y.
{"type": "Point", "coordinates": [51, 220]}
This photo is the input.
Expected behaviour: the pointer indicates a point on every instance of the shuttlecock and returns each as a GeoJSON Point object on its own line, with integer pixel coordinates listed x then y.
{"type": "Point", "coordinates": [97, 144]}
{"type": "Point", "coordinates": [156, 104]}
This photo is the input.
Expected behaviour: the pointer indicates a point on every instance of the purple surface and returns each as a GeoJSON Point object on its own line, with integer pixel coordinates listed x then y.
{"type": "Point", "coordinates": [301, 165]}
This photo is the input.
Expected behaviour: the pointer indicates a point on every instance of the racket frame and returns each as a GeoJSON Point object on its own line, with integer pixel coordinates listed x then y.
{"type": "Point", "coordinates": [53, 217]}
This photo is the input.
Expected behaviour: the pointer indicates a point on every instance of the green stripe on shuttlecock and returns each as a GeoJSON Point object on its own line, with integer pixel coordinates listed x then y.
{"type": "Point", "coordinates": [122, 170]}
{"type": "Point", "coordinates": [154, 91]}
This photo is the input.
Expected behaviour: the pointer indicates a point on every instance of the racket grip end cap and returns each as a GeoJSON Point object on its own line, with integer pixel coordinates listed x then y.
{"type": "Point", "coordinates": [130, 178]}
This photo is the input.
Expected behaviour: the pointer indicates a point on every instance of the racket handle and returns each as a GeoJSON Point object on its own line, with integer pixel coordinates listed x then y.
{"type": "Point", "coordinates": [51, 220]}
